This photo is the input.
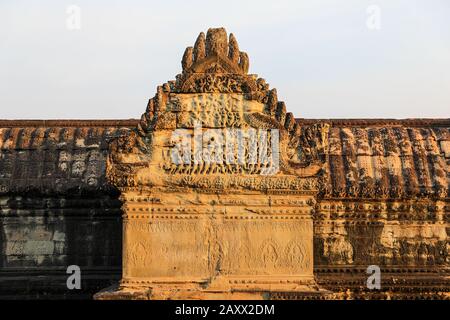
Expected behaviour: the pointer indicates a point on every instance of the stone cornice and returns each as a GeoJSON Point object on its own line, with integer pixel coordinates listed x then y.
{"type": "Point", "coordinates": [419, 122]}
{"type": "Point", "coordinates": [68, 123]}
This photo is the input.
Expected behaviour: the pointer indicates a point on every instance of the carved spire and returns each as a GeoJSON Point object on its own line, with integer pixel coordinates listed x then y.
{"type": "Point", "coordinates": [215, 53]}
{"type": "Point", "coordinates": [216, 42]}
{"type": "Point", "coordinates": [244, 62]}
{"type": "Point", "coordinates": [199, 48]}
{"type": "Point", "coordinates": [186, 62]}
{"type": "Point", "coordinates": [233, 52]}
{"type": "Point", "coordinates": [272, 101]}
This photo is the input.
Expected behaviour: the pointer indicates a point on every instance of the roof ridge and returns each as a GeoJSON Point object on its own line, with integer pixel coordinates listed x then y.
{"type": "Point", "coordinates": [133, 122]}
{"type": "Point", "coordinates": [69, 123]}
{"type": "Point", "coordinates": [379, 121]}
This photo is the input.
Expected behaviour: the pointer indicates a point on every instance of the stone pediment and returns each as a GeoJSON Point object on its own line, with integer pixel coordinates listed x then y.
{"type": "Point", "coordinates": [216, 97]}
{"type": "Point", "coordinates": [204, 179]}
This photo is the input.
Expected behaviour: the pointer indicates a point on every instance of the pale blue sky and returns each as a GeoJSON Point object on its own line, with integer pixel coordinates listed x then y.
{"type": "Point", "coordinates": [320, 55]}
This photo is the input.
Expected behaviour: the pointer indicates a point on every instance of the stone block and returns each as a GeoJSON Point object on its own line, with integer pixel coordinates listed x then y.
{"type": "Point", "coordinates": [36, 247]}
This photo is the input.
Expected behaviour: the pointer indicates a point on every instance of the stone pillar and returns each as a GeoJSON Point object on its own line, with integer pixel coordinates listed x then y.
{"type": "Point", "coordinates": [190, 245]}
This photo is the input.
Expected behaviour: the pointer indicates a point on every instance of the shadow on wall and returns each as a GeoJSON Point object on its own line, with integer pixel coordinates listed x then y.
{"type": "Point", "coordinates": [40, 236]}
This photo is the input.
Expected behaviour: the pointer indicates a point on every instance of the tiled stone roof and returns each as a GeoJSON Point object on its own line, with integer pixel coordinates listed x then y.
{"type": "Point", "coordinates": [389, 159]}
{"type": "Point", "coordinates": [54, 156]}
{"type": "Point", "coordinates": [373, 158]}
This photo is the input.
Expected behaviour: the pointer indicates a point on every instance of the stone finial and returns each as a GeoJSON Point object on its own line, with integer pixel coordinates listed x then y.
{"type": "Point", "coordinates": [233, 52]}
{"type": "Point", "coordinates": [199, 47]}
{"type": "Point", "coordinates": [216, 42]}
{"type": "Point", "coordinates": [215, 53]}
{"type": "Point", "coordinates": [186, 62]}
{"type": "Point", "coordinates": [244, 62]}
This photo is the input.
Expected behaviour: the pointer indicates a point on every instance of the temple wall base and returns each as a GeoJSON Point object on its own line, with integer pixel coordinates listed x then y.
{"type": "Point", "coordinates": [221, 288]}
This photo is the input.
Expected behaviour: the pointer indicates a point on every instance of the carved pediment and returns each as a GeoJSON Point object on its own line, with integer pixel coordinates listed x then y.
{"type": "Point", "coordinates": [215, 93]}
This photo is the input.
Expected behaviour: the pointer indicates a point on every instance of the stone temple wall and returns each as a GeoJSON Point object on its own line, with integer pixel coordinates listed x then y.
{"type": "Point", "coordinates": [58, 210]}
{"type": "Point", "coordinates": [369, 192]}
{"type": "Point", "coordinates": [385, 202]}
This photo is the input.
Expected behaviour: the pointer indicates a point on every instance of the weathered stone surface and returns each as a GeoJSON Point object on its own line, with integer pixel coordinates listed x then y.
{"type": "Point", "coordinates": [348, 194]}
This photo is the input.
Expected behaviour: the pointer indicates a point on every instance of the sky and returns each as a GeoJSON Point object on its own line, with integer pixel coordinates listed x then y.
{"type": "Point", "coordinates": [327, 59]}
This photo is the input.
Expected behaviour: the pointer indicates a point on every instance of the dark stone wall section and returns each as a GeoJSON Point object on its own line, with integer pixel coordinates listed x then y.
{"type": "Point", "coordinates": [41, 237]}
{"type": "Point", "coordinates": [57, 209]}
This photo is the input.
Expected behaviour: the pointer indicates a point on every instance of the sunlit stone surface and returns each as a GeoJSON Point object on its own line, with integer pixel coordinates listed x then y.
{"type": "Point", "coordinates": [108, 196]}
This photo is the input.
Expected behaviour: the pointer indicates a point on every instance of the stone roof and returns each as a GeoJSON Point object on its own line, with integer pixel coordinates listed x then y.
{"type": "Point", "coordinates": [367, 158]}
{"type": "Point", "coordinates": [388, 158]}
{"type": "Point", "coordinates": [56, 156]}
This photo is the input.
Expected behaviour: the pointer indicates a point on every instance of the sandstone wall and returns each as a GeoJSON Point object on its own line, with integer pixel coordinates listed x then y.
{"type": "Point", "coordinates": [56, 208]}
{"type": "Point", "coordinates": [40, 237]}
{"type": "Point", "coordinates": [384, 201]}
